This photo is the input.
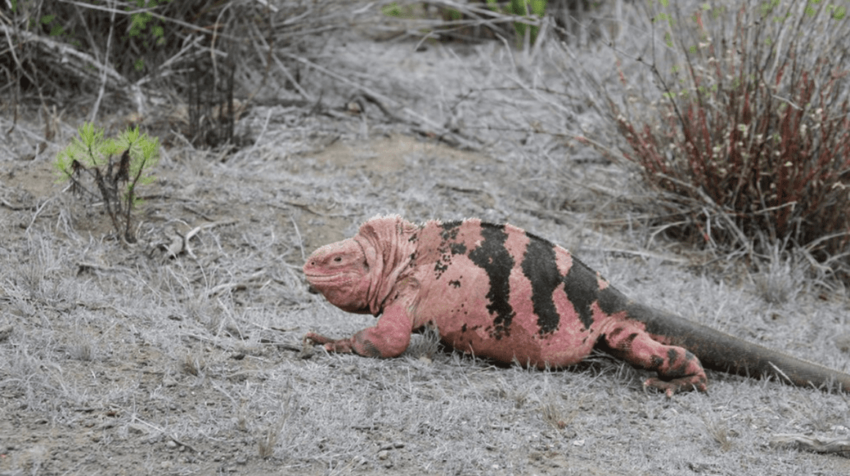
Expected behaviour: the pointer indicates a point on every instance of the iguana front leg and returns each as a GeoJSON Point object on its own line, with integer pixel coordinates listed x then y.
{"type": "Point", "coordinates": [389, 338]}
{"type": "Point", "coordinates": [678, 369]}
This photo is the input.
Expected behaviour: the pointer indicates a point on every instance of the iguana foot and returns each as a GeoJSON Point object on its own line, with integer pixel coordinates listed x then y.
{"type": "Point", "coordinates": [331, 345]}
{"type": "Point", "coordinates": [684, 384]}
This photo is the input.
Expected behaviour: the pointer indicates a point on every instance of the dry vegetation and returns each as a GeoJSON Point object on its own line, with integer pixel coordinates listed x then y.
{"type": "Point", "coordinates": [181, 353]}
{"type": "Point", "coordinates": [753, 130]}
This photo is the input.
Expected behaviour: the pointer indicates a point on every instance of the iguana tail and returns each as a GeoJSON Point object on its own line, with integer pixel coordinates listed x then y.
{"type": "Point", "coordinates": [720, 351]}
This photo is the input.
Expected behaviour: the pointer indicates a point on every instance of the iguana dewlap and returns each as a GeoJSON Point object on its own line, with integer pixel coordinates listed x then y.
{"type": "Point", "coordinates": [499, 292]}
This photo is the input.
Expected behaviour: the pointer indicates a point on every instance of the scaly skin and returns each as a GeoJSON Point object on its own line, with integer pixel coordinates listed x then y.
{"type": "Point", "coordinates": [507, 295]}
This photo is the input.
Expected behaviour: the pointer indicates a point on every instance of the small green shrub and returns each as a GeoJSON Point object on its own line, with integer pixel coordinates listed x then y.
{"type": "Point", "coordinates": [90, 159]}
{"type": "Point", "coordinates": [392, 9]}
{"type": "Point", "coordinates": [523, 8]}
{"type": "Point", "coordinates": [478, 19]}
{"type": "Point", "coordinates": [752, 132]}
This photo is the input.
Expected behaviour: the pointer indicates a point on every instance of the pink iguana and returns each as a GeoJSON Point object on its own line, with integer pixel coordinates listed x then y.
{"type": "Point", "coordinates": [507, 295]}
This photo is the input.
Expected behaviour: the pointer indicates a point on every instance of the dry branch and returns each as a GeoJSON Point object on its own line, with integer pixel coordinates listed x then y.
{"type": "Point", "coordinates": [179, 243]}
{"type": "Point", "coordinates": [74, 61]}
{"type": "Point", "coordinates": [812, 443]}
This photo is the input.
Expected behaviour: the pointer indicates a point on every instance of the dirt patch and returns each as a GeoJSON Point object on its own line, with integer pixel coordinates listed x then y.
{"type": "Point", "coordinates": [388, 154]}
{"type": "Point", "coordinates": [32, 178]}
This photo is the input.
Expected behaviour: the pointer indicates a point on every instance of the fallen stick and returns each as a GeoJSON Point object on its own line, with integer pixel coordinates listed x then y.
{"type": "Point", "coordinates": [812, 443]}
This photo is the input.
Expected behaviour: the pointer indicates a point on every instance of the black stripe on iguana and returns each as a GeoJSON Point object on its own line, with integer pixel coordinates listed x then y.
{"type": "Point", "coordinates": [497, 263]}
{"type": "Point", "coordinates": [580, 285]}
{"type": "Point", "coordinates": [539, 265]}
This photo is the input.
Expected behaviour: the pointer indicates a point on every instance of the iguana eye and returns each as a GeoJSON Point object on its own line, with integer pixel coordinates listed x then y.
{"type": "Point", "coordinates": [338, 259]}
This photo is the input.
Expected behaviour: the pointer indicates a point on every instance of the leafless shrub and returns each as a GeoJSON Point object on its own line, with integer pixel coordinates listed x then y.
{"type": "Point", "coordinates": [780, 276]}
{"type": "Point", "coordinates": [194, 363]}
{"type": "Point", "coordinates": [719, 431]}
{"type": "Point", "coordinates": [267, 441]}
{"type": "Point", "coordinates": [752, 133]}
{"type": "Point", "coordinates": [425, 345]}
{"type": "Point", "coordinates": [242, 416]}
{"type": "Point", "coordinates": [138, 56]}
{"type": "Point", "coordinates": [81, 348]}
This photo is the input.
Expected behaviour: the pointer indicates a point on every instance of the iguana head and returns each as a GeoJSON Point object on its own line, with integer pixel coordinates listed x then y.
{"type": "Point", "coordinates": [359, 274]}
{"type": "Point", "coordinates": [340, 272]}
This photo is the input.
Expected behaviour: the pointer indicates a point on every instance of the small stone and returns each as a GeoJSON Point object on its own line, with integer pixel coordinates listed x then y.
{"type": "Point", "coordinates": [137, 429]}
{"type": "Point", "coordinates": [171, 444]}
{"type": "Point", "coordinates": [842, 341]}
{"type": "Point", "coordinates": [5, 332]}
{"type": "Point", "coordinates": [383, 455]}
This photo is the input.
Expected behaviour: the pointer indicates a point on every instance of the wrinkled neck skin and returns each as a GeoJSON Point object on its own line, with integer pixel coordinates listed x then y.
{"type": "Point", "coordinates": [386, 245]}
{"type": "Point", "coordinates": [360, 273]}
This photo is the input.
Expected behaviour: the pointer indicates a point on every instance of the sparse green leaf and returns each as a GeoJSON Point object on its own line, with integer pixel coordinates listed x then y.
{"type": "Point", "coordinates": [125, 160]}
{"type": "Point", "coordinates": [391, 10]}
{"type": "Point", "coordinates": [538, 7]}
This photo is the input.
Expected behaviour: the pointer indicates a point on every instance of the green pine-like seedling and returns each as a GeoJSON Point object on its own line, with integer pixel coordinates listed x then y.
{"type": "Point", "coordinates": [116, 166]}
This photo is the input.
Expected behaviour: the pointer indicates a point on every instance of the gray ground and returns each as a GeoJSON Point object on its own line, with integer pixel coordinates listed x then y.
{"type": "Point", "coordinates": [123, 361]}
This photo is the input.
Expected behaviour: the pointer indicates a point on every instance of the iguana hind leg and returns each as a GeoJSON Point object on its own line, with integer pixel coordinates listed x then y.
{"type": "Point", "coordinates": [678, 369]}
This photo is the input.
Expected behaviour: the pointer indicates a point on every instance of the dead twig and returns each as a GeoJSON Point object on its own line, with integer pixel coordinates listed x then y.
{"type": "Point", "coordinates": [812, 443]}
{"type": "Point", "coordinates": [179, 243]}
{"type": "Point", "coordinates": [14, 207]}
{"type": "Point", "coordinates": [237, 285]}
{"type": "Point", "coordinates": [172, 437]}
{"type": "Point", "coordinates": [84, 65]}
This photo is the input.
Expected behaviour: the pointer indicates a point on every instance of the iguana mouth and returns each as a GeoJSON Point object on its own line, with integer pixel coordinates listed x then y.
{"type": "Point", "coordinates": [319, 281]}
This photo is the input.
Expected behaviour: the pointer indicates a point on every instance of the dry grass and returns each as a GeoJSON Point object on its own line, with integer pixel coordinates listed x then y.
{"type": "Point", "coordinates": [195, 362]}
